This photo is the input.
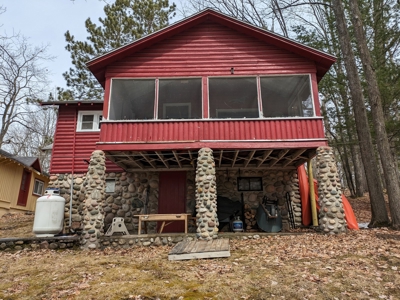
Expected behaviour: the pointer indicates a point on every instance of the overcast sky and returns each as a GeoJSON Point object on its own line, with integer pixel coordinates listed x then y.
{"type": "Point", "coordinates": [44, 22]}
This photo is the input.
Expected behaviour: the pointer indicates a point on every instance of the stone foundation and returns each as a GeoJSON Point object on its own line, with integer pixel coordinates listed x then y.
{"type": "Point", "coordinates": [135, 193]}
{"type": "Point", "coordinates": [331, 213]}
{"type": "Point", "coordinates": [54, 243]}
{"type": "Point", "coordinates": [63, 182]}
{"type": "Point", "coordinates": [93, 205]}
{"type": "Point", "coordinates": [206, 196]}
{"type": "Point", "coordinates": [134, 190]}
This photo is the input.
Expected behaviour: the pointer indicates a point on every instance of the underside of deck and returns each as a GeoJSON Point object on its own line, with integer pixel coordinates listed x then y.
{"type": "Point", "coordinates": [186, 159]}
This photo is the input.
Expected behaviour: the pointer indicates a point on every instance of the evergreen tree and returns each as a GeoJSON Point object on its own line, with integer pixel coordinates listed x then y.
{"type": "Point", "coordinates": [125, 21]}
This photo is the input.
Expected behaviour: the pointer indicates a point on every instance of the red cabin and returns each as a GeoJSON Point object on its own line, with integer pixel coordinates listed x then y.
{"type": "Point", "coordinates": [206, 81]}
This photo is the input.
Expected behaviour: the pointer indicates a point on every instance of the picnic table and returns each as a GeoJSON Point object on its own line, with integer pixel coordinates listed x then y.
{"type": "Point", "coordinates": [166, 219]}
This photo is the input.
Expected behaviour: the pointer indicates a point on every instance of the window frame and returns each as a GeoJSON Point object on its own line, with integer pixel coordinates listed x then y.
{"type": "Point", "coordinates": [158, 118]}
{"type": "Point", "coordinates": [250, 184]}
{"type": "Point", "coordinates": [110, 180]}
{"type": "Point", "coordinates": [287, 75]}
{"type": "Point", "coordinates": [206, 98]}
{"type": "Point", "coordinates": [34, 185]}
{"type": "Point", "coordinates": [97, 118]}
{"type": "Point", "coordinates": [259, 107]}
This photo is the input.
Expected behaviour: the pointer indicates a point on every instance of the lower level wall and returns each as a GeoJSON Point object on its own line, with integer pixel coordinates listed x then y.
{"type": "Point", "coordinates": [114, 242]}
{"type": "Point", "coordinates": [137, 193]}
{"type": "Point", "coordinates": [276, 183]}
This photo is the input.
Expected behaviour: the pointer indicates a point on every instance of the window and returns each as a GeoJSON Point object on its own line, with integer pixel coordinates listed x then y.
{"type": "Point", "coordinates": [179, 99]}
{"type": "Point", "coordinates": [229, 98]}
{"type": "Point", "coordinates": [132, 99]}
{"type": "Point", "coordinates": [250, 184]}
{"type": "Point", "coordinates": [110, 185]}
{"type": "Point", "coordinates": [233, 97]}
{"type": "Point", "coordinates": [286, 96]}
{"type": "Point", "coordinates": [38, 187]}
{"type": "Point", "coordinates": [89, 120]}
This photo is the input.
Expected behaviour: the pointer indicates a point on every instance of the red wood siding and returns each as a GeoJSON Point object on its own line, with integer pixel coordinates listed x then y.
{"type": "Point", "coordinates": [282, 130]}
{"type": "Point", "coordinates": [70, 147]}
{"type": "Point", "coordinates": [210, 49]}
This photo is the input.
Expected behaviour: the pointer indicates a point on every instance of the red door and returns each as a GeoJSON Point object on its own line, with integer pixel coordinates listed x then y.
{"type": "Point", "coordinates": [24, 188]}
{"type": "Point", "coordinates": [172, 198]}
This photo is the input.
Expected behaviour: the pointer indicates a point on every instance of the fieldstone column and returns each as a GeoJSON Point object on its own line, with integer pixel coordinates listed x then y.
{"type": "Point", "coordinates": [206, 196]}
{"type": "Point", "coordinates": [92, 208]}
{"type": "Point", "coordinates": [331, 213]}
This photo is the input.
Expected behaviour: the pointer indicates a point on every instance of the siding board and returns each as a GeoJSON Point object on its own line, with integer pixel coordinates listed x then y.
{"type": "Point", "coordinates": [225, 130]}
{"type": "Point", "coordinates": [210, 49]}
{"type": "Point", "coordinates": [67, 157]}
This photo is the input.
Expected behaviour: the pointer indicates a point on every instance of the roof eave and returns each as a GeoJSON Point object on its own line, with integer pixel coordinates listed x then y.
{"type": "Point", "coordinates": [71, 103]}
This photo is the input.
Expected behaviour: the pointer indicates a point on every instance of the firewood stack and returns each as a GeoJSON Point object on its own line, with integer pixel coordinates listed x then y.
{"type": "Point", "coordinates": [250, 218]}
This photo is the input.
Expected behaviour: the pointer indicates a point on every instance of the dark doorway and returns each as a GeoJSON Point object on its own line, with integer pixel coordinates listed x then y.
{"type": "Point", "coordinates": [24, 188]}
{"type": "Point", "coordinates": [172, 198]}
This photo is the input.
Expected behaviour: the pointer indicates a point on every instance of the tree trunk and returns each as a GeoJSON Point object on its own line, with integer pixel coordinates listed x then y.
{"type": "Point", "coordinates": [379, 213]}
{"type": "Point", "coordinates": [389, 168]}
{"type": "Point", "coordinates": [359, 173]}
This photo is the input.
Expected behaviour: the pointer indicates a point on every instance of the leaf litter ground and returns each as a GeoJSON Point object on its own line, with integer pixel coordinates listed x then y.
{"type": "Point", "coordinates": [362, 264]}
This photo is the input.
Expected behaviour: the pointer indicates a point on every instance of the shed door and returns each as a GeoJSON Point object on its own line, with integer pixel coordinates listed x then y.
{"type": "Point", "coordinates": [24, 188]}
{"type": "Point", "coordinates": [172, 198]}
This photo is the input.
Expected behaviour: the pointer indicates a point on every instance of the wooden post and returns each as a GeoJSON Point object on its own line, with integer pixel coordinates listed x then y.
{"type": "Point", "coordinates": [312, 194]}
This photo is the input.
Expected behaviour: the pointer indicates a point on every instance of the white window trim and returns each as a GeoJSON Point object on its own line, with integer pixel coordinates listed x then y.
{"type": "Point", "coordinates": [96, 120]}
{"type": "Point", "coordinates": [42, 187]}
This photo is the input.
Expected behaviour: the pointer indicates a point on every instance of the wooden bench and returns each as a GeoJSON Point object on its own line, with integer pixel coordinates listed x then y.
{"type": "Point", "coordinates": [162, 218]}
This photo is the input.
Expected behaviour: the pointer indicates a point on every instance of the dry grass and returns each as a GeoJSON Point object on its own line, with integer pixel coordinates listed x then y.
{"type": "Point", "coordinates": [359, 265]}
{"type": "Point", "coordinates": [16, 225]}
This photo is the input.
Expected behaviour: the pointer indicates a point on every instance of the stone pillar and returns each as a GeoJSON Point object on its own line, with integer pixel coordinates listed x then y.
{"type": "Point", "coordinates": [92, 208]}
{"type": "Point", "coordinates": [331, 213]}
{"type": "Point", "coordinates": [206, 196]}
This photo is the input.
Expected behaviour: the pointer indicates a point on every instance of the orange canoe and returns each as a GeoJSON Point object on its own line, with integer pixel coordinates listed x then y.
{"type": "Point", "coordinates": [306, 203]}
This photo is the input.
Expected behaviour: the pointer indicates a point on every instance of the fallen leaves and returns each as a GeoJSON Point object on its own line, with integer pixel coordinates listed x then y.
{"type": "Point", "coordinates": [362, 264]}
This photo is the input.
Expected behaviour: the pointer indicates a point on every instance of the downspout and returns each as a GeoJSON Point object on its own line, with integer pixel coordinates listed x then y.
{"type": "Point", "coordinates": [312, 194]}
{"type": "Point", "coordinates": [72, 175]}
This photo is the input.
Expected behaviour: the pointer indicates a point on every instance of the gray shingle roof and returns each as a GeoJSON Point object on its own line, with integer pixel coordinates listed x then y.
{"type": "Point", "coordinates": [25, 160]}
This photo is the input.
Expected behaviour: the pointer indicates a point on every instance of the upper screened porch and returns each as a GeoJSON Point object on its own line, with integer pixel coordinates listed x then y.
{"type": "Point", "coordinates": [233, 112]}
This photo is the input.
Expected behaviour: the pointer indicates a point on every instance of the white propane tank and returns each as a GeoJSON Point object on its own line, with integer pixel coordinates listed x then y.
{"type": "Point", "coordinates": [49, 214]}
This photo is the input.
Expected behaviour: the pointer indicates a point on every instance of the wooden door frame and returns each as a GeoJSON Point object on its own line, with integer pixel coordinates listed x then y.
{"type": "Point", "coordinates": [24, 194]}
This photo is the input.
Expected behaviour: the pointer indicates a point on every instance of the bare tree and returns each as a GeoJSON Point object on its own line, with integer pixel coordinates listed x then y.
{"type": "Point", "coordinates": [389, 165]}
{"type": "Point", "coordinates": [379, 213]}
{"type": "Point", "coordinates": [30, 141]}
{"type": "Point", "coordinates": [264, 14]}
{"type": "Point", "coordinates": [23, 80]}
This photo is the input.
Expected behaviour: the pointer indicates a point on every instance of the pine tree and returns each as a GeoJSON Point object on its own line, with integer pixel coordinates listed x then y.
{"type": "Point", "coordinates": [125, 21]}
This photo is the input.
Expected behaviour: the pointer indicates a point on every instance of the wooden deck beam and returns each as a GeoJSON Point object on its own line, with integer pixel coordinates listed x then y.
{"type": "Point", "coordinates": [249, 158]}
{"type": "Point", "coordinates": [159, 154]}
{"type": "Point", "coordinates": [281, 154]}
{"type": "Point", "coordinates": [235, 157]}
{"type": "Point", "coordinates": [144, 155]}
{"type": "Point", "coordinates": [266, 154]}
{"type": "Point", "coordinates": [294, 156]}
